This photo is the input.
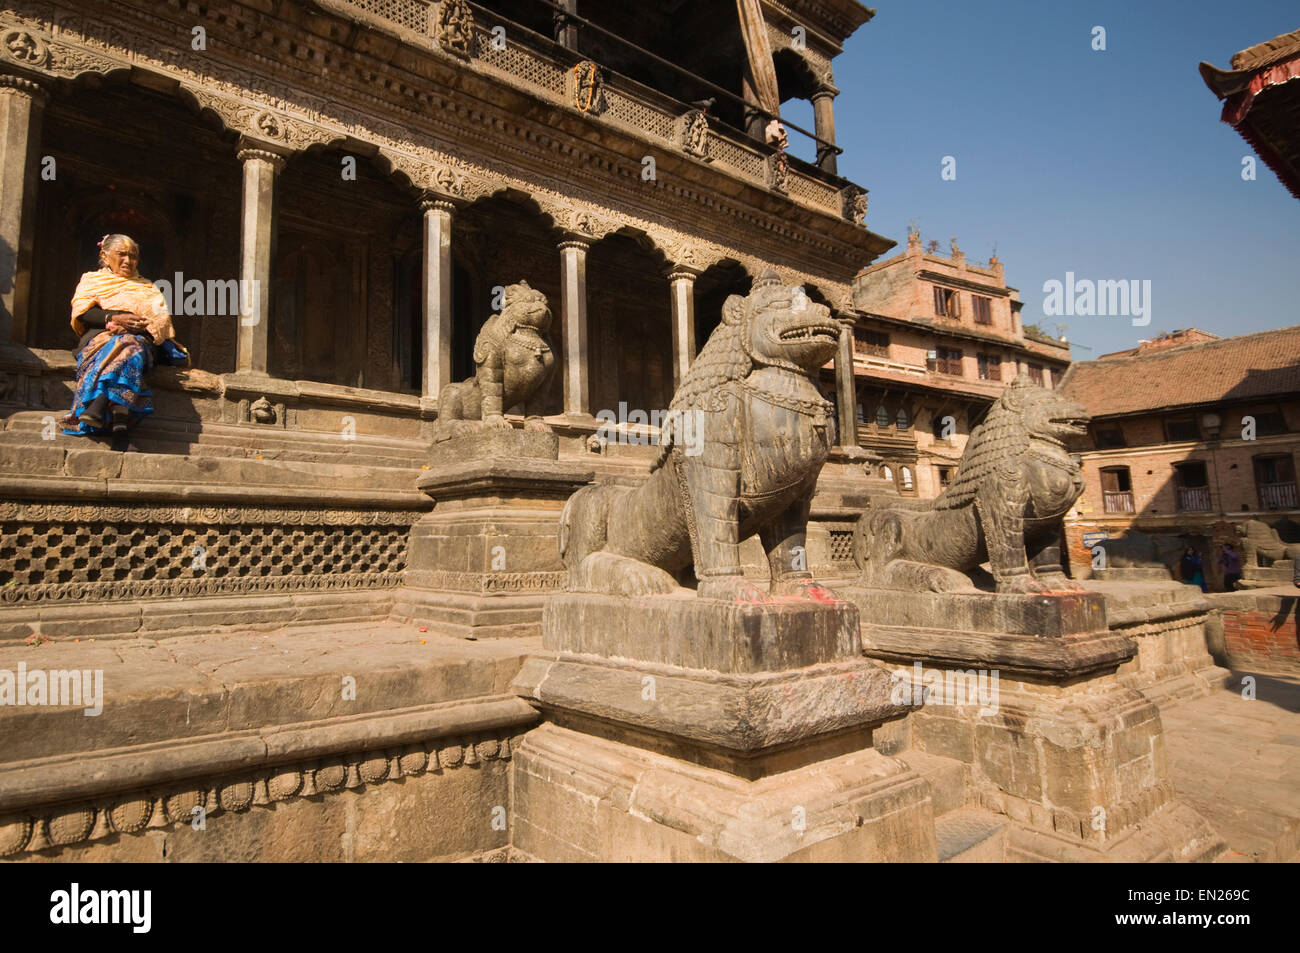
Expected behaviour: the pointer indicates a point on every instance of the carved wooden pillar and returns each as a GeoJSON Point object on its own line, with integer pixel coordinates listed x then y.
{"type": "Point", "coordinates": [256, 252]}
{"type": "Point", "coordinates": [21, 105]}
{"type": "Point", "coordinates": [823, 101]}
{"type": "Point", "coordinates": [846, 392]}
{"type": "Point", "coordinates": [566, 28]}
{"type": "Point", "coordinates": [682, 282]}
{"type": "Point", "coordinates": [573, 310]}
{"type": "Point", "coordinates": [437, 306]}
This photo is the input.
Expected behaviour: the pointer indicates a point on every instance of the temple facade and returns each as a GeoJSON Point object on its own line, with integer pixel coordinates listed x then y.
{"type": "Point", "coordinates": [336, 193]}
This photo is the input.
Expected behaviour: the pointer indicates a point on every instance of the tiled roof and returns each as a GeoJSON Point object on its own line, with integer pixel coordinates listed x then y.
{"type": "Point", "coordinates": [1251, 366]}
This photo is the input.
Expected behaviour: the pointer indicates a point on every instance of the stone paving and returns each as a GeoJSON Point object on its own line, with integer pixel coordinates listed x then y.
{"type": "Point", "coordinates": [1237, 761]}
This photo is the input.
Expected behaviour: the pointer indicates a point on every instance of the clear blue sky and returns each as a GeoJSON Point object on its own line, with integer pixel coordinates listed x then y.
{"type": "Point", "coordinates": [1113, 165]}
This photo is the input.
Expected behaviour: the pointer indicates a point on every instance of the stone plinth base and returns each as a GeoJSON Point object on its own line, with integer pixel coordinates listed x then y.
{"type": "Point", "coordinates": [578, 797]}
{"type": "Point", "coordinates": [691, 729]}
{"type": "Point", "coordinates": [1057, 636]}
{"type": "Point", "coordinates": [731, 681]}
{"type": "Point", "coordinates": [1167, 621]}
{"type": "Point", "coordinates": [483, 561]}
{"type": "Point", "coordinates": [1081, 766]}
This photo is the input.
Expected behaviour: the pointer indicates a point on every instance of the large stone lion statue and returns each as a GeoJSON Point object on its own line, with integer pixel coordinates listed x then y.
{"type": "Point", "coordinates": [761, 432]}
{"type": "Point", "coordinates": [512, 362]}
{"type": "Point", "coordinates": [1006, 505]}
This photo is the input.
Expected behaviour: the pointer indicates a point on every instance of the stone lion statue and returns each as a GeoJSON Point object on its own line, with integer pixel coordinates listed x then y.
{"type": "Point", "coordinates": [1006, 505]}
{"type": "Point", "coordinates": [746, 437]}
{"type": "Point", "coordinates": [512, 362]}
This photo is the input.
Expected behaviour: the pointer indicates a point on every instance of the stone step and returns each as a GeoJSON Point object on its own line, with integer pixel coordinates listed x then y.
{"type": "Point", "coordinates": [971, 835]}
{"type": "Point", "coordinates": [947, 777]}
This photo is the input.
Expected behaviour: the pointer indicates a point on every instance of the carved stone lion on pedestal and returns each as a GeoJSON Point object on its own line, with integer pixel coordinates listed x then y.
{"type": "Point", "coordinates": [1013, 487]}
{"type": "Point", "coordinates": [512, 362]}
{"type": "Point", "coordinates": [746, 437]}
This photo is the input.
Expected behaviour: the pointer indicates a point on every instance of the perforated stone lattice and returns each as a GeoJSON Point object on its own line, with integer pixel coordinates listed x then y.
{"type": "Point", "coordinates": [842, 545]}
{"type": "Point", "coordinates": [412, 14]}
{"type": "Point", "coordinates": [72, 558]}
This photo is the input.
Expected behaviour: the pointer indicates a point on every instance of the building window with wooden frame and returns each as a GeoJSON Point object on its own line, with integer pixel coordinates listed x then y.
{"type": "Point", "coordinates": [882, 417]}
{"type": "Point", "coordinates": [990, 367]}
{"type": "Point", "coordinates": [1036, 375]}
{"type": "Point", "coordinates": [1275, 481]}
{"type": "Point", "coordinates": [1109, 438]}
{"type": "Point", "coordinates": [945, 303]}
{"type": "Point", "coordinates": [1117, 490]}
{"type": "Point", "coordinates": [1269, 423]}
{"type": "Point", "coordinates": [873, 343]}
{"type": "Point", "coordinates": [945, 477]}
{"type": "Point", "coordinates": [948, 361]}
{"type": "Point", "coordinates": [1182, 430]}
{"type": "Point", "coordinates": [1192, 486]}
{"type": "Point", "coordinates": [983, 309]}
{"type": "Point", "coordinates": [901, 420]}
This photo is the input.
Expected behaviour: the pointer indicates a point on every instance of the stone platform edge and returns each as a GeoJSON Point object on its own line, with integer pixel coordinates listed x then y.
{"type": "Point", "coordinates": [84, 796]}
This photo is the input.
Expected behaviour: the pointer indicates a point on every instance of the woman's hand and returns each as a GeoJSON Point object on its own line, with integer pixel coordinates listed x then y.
{"type": "Point", "coordinates": [128, 323]}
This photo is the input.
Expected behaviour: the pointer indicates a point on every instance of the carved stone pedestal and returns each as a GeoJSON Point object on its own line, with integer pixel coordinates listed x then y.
{"type": "Point", "coordinates": [483, 561]}
{"type": "Point", "coordinates": [1055, 740]}
{"type": "Point", "coordinates": [1055, 636]}
{"type": "Point", "coordinates": [680, 728]}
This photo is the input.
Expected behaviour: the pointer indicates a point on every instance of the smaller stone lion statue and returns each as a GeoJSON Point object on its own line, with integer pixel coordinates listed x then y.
{"type": "Point", "coordinates": [512, 361]}
{"type": "Point", "coordinates": [1006, 505]}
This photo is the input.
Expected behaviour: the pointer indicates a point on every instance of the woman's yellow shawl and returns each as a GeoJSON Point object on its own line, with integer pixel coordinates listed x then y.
{"type": "Point", "coordinates": [113, 293]}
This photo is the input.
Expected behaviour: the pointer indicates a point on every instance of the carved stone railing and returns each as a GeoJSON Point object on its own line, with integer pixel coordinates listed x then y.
{"type": "Point", "coordinates": [617, 100]}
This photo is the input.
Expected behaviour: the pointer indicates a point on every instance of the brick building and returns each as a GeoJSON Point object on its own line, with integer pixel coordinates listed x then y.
{"type": "Point", "coordinates": [1193, 436]}
{"type": "Point", "coordinates": [937, 337]}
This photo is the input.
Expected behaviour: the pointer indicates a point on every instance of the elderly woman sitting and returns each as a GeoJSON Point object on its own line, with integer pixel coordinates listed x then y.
{"type": "Point", "coordinates": [125, 329]}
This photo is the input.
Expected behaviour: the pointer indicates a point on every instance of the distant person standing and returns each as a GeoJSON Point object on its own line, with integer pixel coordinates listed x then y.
{"type": "Point", "coordinates": [1230, 564]}
{"type": "Point", "coordinates": [1193, 570]}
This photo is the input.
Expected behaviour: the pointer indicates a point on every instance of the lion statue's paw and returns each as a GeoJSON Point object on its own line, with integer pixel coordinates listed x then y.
{"type": "Point", "coordinates": [621, 576]}
{"type": "Point", "coordinates": [731, 589]}
{"type": "Point", "coordinates": [804, 588]}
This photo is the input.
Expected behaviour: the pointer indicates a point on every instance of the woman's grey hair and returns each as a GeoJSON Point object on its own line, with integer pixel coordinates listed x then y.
{"type": "Point", "coordinates": [111, 241]}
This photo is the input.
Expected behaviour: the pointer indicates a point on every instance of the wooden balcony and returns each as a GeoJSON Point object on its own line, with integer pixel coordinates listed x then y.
{"type": "Point", "coordinates": [1278, 496]}
{"type": "Point", "coordinates": [1194, 499]}
{"type": "Point", "coordinates": [1117, 502]}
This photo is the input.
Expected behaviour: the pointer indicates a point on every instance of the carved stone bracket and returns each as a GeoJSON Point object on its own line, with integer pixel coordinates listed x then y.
{"type": "Point", "coordinates": [25, 47]}
{"type": "Point", "coordinates": [265, 124]}
{"type": "Point", "coordinates": [454, 28]}
{"type": "Point", "coordinates": [587, 87]}
{"type": "Point", "coordinates": [854, 204]}
{"type": "Point", "coordinates": [778, 173]}
{"type": "Point", "coordinates": [693, 134]}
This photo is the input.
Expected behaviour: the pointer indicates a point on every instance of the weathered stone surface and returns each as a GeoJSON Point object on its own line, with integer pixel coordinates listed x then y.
{"type": "Point", "coordinates": [1057, 636]}
{"type": "Point", "coordinates": [481, 563]}
{"type": "Point", "coordinates": [583, 798]}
